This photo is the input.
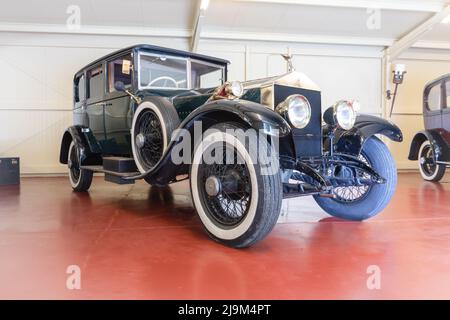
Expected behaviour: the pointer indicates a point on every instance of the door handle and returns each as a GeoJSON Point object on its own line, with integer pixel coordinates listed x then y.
{"type": "Point", "coordinates": [103, 104]}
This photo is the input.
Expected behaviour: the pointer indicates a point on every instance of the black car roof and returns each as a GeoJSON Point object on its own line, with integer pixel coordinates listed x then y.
{"type": "Point", "coordinates": [432, 82]}
{"type": "Point", "coordinates": [161, 50]}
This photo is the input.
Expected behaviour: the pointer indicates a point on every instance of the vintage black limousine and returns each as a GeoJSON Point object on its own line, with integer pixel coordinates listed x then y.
{"type": "Point", "coordinates": [136, 110]}
{"type": "Point", "coordinates": [432, 145]}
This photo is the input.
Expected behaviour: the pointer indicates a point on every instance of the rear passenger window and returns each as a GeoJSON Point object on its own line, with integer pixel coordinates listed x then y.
{"type": "Point", "coordinates": [119, 70]}
{"type": "Point", "coordinates": [95, 83]}
{"type": "Point", "coordinates": [80, 89]}
{"type": "Point", "coordinates": [434, 98]}
{"type": "Point", "coordinates": [447, 93]}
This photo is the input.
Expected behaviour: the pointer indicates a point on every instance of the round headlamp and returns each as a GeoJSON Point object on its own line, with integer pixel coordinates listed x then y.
{"type": "Point", "coordinates": [296, 109]}
{"type": "Point", "coordinates": [343, 113]}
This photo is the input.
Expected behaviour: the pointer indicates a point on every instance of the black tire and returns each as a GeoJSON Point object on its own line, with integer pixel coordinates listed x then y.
{"type": "Point", "coordinates": [80, 179]}
{"type": "Point", "coordinates": [165, 121]}
{"type": "Point", "coordinates": [429, 170]}
{"type": "Point", "coordinates": [376, 197]}
{"type": "Point", "coordinates": [259, 196]}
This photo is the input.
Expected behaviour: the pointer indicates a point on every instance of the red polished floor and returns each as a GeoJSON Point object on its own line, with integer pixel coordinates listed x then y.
{"type": "Point", "coordinates": [134, 242]}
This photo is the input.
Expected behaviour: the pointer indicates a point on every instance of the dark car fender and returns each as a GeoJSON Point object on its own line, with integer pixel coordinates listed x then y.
{"type": "Point", "coordinates": [440, 147]}
{"type": "Point", "coordinates": [352, 141]}
{"type": "Point", "coordinates": [83, 138]}
{"type": "Point", "coordinates": [252, 114]}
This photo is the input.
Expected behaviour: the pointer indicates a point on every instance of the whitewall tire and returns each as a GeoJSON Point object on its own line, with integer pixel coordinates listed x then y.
{"type": "Point", "coordinates": [80, 179]}
{"type": "Point", "coordinates": [429, 170]}
{"type": "Point", "coordinates": [250, 214]}
{"type": "Point", "coordinates": [153, 123]}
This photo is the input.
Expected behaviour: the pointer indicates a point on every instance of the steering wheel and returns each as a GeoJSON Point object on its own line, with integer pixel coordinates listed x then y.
{"type": "Point", "coordinates": [165, 78]}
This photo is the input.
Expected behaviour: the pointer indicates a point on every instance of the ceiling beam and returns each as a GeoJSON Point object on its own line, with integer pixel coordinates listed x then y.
{"type": "Point", "coordinates": [412, 37]}
{"type": "Point", "coordinates": [297, 38]}
{"type": "Point", "coordinates": [213, 35]}
{"type": "Point", "coordinates": [421, 44]}
{"type": "Point", "coordinates": [198, 23]}
{"type": "Point", "coordinates": [95, 30]}
{"type": "Point", "coordinates": [403, 5]}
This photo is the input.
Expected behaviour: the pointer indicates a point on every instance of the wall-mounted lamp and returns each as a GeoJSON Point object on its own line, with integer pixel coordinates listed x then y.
{"type": "Point", "coordinates": [399, 73]}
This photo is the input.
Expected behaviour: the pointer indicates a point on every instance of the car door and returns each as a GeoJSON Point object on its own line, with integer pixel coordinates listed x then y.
{"type": "Point", "coordinates": [95, 103]}
{"type": "Point", "coordinates": [446, 112]}
{"type": "Point", "coordinates": [433, 106]}
{"type": "Point", "coordinates": [118, 113]}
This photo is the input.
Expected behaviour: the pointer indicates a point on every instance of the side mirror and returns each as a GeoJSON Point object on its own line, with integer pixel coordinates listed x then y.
{"type": "Point", "coordinates": [119, 86]}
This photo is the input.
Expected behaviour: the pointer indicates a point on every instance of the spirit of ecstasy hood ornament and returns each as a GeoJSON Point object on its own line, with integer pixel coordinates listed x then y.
{"type": "Point", "coordinates": [288, 58]}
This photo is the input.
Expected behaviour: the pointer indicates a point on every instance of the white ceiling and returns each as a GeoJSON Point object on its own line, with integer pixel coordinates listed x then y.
{"type": "Point", "coordinates": [240, 19]}
{"type": "Point", "coordinates": [147, 13]}
{"type": "Point", "coordinates": [300, 19]}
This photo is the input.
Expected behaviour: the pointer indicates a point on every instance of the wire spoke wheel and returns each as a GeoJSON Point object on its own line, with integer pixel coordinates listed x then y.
{"type": "Point", "coordinates": [225, 186]}
{"type": "Point", "coordinates": [364, 198]}
{"type": "Point", "coordinates": [427, 160]}
{"type": "Point", "coordinates": [237, 200]}
{"type": "Point", "coordinates": [148, 139]}
{"type": "Point", "coordinates": [79, 178]}
{"type": "Point", "coordinates": [354, 193]}
{"type": "Point", "coordinates": [429, 168]}
{"type": "Point", "coordinates": [74, 163]}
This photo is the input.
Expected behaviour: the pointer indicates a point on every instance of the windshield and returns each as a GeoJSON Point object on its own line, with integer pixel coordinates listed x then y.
{"type": "Point", "coordinates": [162, 72]}
{"type": "Point", "coordinates": [205, 75]}
{"type": "Point", "coordinates": [166, 72]}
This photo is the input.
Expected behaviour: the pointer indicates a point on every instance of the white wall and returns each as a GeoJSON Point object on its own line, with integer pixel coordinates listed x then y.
{"type": "Point", "coordinates": [37, 71]}
{"type": "Point", "coordinates": [422, 67]}
{"type": "Point", "coordinates": [36, 90]}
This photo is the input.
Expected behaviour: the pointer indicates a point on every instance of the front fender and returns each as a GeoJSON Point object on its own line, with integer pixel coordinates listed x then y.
{"type": "Point", "coordinates": [82, 137]}
{"type": "Point", "coordinates": [351, 141]}
{"type": "Point", "coordinates": [253, 114]}
{"type": "Point", "coordinates": [440, 148]}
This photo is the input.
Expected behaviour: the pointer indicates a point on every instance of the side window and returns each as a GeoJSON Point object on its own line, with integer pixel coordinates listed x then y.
{"type": "Point", "coordinates": [119, 70]}
{"type": "Point", "coordinates": [447, 93]}
{"type": "Point", "coordinates": [434, 98]}
{"type": "Point", "coordinates": [80, 88]}
{"type": "Point", "coordinates": [95, 83]}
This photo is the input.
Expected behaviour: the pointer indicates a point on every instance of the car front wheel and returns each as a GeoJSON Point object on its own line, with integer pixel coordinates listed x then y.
{"type": "Point", "coordinates": [237, 199]}
{"type": "Point", "coordinates": [365, 201]}
{"type": "Point", "coordinates": [429, 169]}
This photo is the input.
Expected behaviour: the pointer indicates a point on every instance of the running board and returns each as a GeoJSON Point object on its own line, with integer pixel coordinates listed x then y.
{"type": "Point", "coordinates": [116, 169]}
{"type": "Point", "coordinates": [112, 176]}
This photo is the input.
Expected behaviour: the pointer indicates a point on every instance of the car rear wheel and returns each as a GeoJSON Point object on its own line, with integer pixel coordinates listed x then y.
{"type": "Point", "coordinates": [80, 179]}
{"type": "Point", "coordinates": [429, 169]}
{"type": "Point", "coordinates": [362, 202]}
{"type": "Point", "coordinates": [238, 201]}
